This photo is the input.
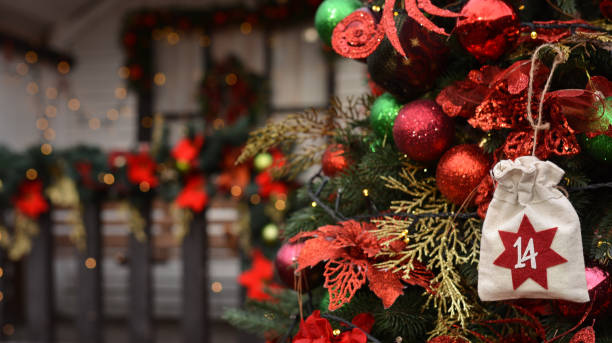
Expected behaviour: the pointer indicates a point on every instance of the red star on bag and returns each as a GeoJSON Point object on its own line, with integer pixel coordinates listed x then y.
{"type": "Point", "coordinates": [528, 254]}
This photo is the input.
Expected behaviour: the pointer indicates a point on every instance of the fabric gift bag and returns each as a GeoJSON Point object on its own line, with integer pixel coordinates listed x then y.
{"type": "Point", "coordinates": [531, 245]}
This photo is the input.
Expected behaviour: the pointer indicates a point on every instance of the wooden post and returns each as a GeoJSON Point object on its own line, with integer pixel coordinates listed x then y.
{"type": "Point", "coordinates": [196, 324]}
{"type": "Point", "coordinates": [39, 284]}
{"type": "Point", "coordinates": [89, 314]}
{"type": "Point", "coordinates": [141, 289]}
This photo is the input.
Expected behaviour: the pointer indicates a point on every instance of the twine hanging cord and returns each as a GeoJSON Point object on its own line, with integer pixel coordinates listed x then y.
{"type": "Point", "coordinates": [560, 58]}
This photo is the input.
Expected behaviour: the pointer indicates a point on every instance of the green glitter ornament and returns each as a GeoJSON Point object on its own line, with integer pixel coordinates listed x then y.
{"type": "Point", "coordinates": [599, 147]}
{"type": "Point", "coordinates": [382, 115]}
{"type": "Point", "coordinates": [330, 13]}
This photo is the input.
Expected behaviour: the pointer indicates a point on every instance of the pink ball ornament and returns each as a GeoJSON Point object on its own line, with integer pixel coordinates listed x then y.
{"type": "Point", "coordinates": [422, 131]}
{"type": "Point", "coordinates": [286, 263]}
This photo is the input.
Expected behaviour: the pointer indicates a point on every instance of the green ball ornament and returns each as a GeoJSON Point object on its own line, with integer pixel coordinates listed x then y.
{"type": "Point", "coordinates": [324, 304]}
{"type": "Point", "coordinates": [269, 233]}
{"type": "Point", "coordinates": [330, 13]}
{"type": "Point", "coordinates": [263, 161]}
{"type": "Point", "coordinates": [383, 113]}
{"type": "Point", "coordinates": [599, 147]}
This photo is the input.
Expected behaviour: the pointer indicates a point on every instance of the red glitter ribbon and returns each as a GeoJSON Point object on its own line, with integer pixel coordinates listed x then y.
{"type": "Point", "coordinates": [357, 36]}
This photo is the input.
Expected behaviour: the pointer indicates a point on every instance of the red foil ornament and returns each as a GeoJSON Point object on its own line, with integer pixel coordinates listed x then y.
{"type": "Point", "coordinates": [334, 160]}
{"type": "Point", "coordinates": [422, 131]}
{"type": "Point", "coordinates": [286, 264]}
{"type": "Point", "coordinates": [460, 171]}
{"type": "Point", "coordinates": [487, 28]}
{"type": "Point", "coordinates": [599, 285]}
{"type": "Point", "coordinates": [357, 35]}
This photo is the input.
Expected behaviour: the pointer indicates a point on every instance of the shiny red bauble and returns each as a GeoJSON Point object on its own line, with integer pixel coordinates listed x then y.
{"type": "Point", "coordinates": [422, 131]}
{"type": "Point", "coordinates": [286, 263]}
{"type": "Point", "coordinates": [460, 171]}
{"type": "Point", "coordinates": [335, 160]}
{"type": "Point", "coordinates": [487, 28]}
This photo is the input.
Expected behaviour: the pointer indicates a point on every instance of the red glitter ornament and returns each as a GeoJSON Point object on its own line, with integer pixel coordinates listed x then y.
{"type": "Point", "coordinates": [334, 160]}
{"type": "Point", "coordinates": [487, 28]}
{"type": "Point", "coordinates": [357, 35]}
{"type": "Point", "coordinates": [460, 171]}
{"type": "Point", "coordinates": [422, 131]}
{"type": "Point", "coordinates": [599, 285]}
{"type": "Point", "coordinates": [585, 335]}
{"type": "Point", "coordinates": [447, 339]}
{"type": "Point", "coordinates": [286, 264]}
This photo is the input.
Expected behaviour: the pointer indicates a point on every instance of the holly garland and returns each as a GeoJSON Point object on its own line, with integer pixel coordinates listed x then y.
{"type": "Point", "coordinates": [139, 27]}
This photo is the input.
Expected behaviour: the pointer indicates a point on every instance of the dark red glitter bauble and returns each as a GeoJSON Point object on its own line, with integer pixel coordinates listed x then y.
{"type": "Point", "coordinates": [460, 171]}
{"type": "Point", "coordinates": [599, 285]}
{"type": "Point", "coordinates": [487, 28]}
{"type": "Point", "coordinates": [422, 131]}
{"type": "Point", "coordinates": [286, 263]}
{"type": "Point", "coordinates": [334, 160]}
{"type": "Point", "coordinates": [408, 77]}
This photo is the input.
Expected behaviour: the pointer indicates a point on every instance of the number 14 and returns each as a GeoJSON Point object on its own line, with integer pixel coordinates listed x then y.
{"type": "Point", "coordinates": [529, 254]}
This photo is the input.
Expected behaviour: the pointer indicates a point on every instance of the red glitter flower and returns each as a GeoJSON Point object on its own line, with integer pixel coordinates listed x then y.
{"type": "Point", "coordinates": [349, 249]}
{"type": "Point", "coordinates": [30, 200]}
{"type": "Point", "coordinates": [259, 276]}
{"type": "Point", "coordinates": [141, 170]}
{"type": "Point", "coordinates": [494, 100]}
{"type": "Point", "coordinates": [193, 195]}
{"type": "Point", "coordinates": [187, 149]}
{"type": "Point", "coordinates": [316, 329]}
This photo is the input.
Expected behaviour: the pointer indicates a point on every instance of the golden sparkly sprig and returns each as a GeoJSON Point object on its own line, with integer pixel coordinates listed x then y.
{"type": "Point", "coordinates": [136, 223]}
{"type": "Point", "coordinates": [304, 131]}
{"type": "Point", "coordinates": [19, 242]}
{"type": "Point", "coordinates": [440, 242]}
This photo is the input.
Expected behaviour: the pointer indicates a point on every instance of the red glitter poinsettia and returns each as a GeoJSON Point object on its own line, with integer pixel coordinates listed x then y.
{"type": "Point", "coordinates": [193, 195]}
{"type": "Point", "coordinates": [258, 277]}
{"type": "Point", "coordinates": [30, 200]}
{"type": "Point", "coordinates": [316, 329]}
{"type": "Point", "coordinates": [187, 149]}
{"type": "Point", "coordinates": [141, 169]}
{"type": "Point", "coordinates": [349, 249]}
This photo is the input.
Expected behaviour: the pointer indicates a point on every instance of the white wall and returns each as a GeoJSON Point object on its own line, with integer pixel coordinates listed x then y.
{"type": "Point", "coordinates": [298, 78]}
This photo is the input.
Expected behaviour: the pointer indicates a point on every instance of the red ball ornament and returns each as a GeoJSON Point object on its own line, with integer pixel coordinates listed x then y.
{"type": "Point", "coordinates": [606, 8]}
{"type": "Point", "coordinates": [408, 77]}
{"type": "Point", "coordinates": [487, 28]}
{"type": "Point", "coordinates": [422, 130]}
{"type": "Point", "coordinates": [599, 285]}
{"type": "Point", "coordinates": [335, 160]}
{"type": "Point", "coordinates": [286, 263]}
{"type": "Point", "coordinates": [460, 171]}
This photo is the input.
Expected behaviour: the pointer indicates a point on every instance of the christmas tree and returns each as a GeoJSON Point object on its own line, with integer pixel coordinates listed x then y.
{"type": "Point", "coordinates": [467, 199]}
